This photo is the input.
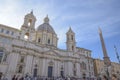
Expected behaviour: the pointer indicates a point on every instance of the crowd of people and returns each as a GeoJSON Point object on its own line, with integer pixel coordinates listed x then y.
{"type": "Point", "coordinates": [114, 77]}
{"type": "Point", "coordinates": [27, 77]}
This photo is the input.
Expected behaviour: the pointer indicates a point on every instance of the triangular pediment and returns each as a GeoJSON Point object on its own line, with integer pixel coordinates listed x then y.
{"type": "Point", "coordinates": [52, 53]}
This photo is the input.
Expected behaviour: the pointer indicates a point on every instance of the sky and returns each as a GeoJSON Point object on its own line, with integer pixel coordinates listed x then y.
{"type": "Point", "coordinates": [83, 16]}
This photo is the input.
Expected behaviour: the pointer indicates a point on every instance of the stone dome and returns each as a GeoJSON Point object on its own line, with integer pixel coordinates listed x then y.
{"type": "Point", "coordinates": [46, 26]}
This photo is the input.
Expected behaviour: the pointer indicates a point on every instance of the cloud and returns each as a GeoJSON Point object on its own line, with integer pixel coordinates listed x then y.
{"type": "Point", "coordinates": [84, 16]}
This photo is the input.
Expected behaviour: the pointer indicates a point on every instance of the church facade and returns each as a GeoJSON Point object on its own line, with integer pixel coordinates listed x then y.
{"type": "Point", "coordinates": [34, 52]}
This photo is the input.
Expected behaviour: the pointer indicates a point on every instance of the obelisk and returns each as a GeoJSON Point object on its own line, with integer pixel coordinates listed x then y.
{"type": "Point", "coordinates": [106, 58]}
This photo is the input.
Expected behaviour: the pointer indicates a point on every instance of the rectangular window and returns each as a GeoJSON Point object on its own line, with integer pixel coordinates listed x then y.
{"type": "Point", "coordinates": [39, 40]}
{"type": "Point", "coordinates": [20, 69]}
{"type": "Point", "coordinates": [50, 69]}
{"type": "Point", "coordinates": [22, 59]}
{"type": "Point", "coordinates": [12, 33]}
{"type": "Point", "coordinates": [74, 72]}
{"type": "Point", "coordinates": [1, 55]}
{"type": "Point", "coordinates": [2, 30]}
{"type": "Point", "coordinates": [7, 32]}
{"type": "Point", "coordinates": [48, 41]}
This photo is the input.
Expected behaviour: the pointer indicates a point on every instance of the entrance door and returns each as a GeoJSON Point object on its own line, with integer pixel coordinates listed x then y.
{"type": "Point", "coordinates": [35, 72]}
{"type": "Point", "coordinates": [62, 73]}
{"type": "Point", "coordinates": [50, 70]}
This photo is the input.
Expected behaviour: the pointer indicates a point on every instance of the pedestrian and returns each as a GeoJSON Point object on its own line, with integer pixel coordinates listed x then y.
{"type": "Point", "coordinates": [13, 78]}
{"type": "Point", "coordinates": [4, 78]}
{"type": "Point", "coordinates": [21, 78]}
{"type": "Point", "coordinates": [104, 78]}
{"type": "Point", "coordinates": [114, 77]}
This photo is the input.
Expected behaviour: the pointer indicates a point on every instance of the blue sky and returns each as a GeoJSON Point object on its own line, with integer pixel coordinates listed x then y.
{"type": "Point", "coordinates": [84, 17]}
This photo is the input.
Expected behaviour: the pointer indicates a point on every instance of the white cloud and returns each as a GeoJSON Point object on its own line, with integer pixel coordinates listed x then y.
{"type": "Point", "coordinates": [85, 23]}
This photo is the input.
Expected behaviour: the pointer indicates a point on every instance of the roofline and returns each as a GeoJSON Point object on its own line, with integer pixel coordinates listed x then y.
{"type": "Point", "coordinates": [84, 49]}
{"type": "Point", "coordinates": [2, 25]}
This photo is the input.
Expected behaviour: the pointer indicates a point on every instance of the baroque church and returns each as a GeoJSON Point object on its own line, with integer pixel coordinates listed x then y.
{"type": "Point", "coordinates": [34, 52]}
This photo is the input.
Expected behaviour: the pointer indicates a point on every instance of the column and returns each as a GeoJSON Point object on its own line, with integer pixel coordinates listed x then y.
{"type": "Point", "coordinates": [13, 60]}
{"type": "Point", "coordinates": [28, 67]}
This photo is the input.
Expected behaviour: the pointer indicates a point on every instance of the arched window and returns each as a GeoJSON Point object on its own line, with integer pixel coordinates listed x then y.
{"type": "Point", "coordinates": [72, 37]}
{"type": "Point", "coordinates": [30, 21]}
{"type": "Point", "coordinates": [26, 36]}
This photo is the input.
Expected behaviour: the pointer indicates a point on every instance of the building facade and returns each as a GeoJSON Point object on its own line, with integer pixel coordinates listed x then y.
{"type": "Point", "coordinates": [99, 68]}
{"type": "Point", "coordinates": [34, 52]}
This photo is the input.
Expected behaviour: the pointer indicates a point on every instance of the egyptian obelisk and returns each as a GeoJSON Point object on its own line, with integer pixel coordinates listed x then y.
{"type": "Point", "coordinates": [106, 58]}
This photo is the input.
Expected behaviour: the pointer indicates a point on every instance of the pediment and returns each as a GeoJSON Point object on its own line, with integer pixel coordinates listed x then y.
{"type": "Point", "coordinates": [52, 53]}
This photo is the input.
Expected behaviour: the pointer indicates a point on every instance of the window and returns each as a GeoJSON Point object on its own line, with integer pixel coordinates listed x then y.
{"type": "Point", "coordinates": [83, 66]}
{"type": "Point", "coordinates": [26, 36]}
{"type": "Point", "coordinates": [74, 65]}
{"type": "Point", "coordinates": [5, 57]}
{"type": "Point", "coordinates": [22, 59]}
{"type": "Point", "coordinates": [72, 37]}
{"type": "Point", "coordinates": [74, 72]}
{"type": "Point", "coordinates": [2, 30]}
{"type": "Point", "coordinates": [50, 71]}
{"type": "Point", "coordinates": [48, 41]}
{"type": "Point", "coordinates": [12, 33]}
{"type": "Point", "coordinates": [1, 55]}
{"type": "Point", "coordinates": [72, 48]}
{"type": "Point", "coordinates": [7, 32]}
{"type": "Point", "coordinates": [35, 71]}
{"type": "Point", "coordinates": [39, 40]}
{"type": "Point", "coordinates": [67, 37]}
{"type": "Point", "coordinates": [20, 69]}
{"type": "Point", "coordinates": [30, 21]}
{"type": "Point", "coordinates": [62, 72]}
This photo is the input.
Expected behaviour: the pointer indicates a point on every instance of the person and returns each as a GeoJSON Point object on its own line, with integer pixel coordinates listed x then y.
{"type": "Point", "coordinates": [21, 78]}
{"type": "Point", "coordinates": [114, 77]}
{"type": "Point", "coordinates": [13, 78]}
{"type": "Point", "coordinates": [4, 78]}
{"type": "Point", "coordinates": [1, 75]}
{"type": "Point", "coordinates": [17, 77]}
{"type": "Point", "coordinates": [99, 78]}
{"type": "Point", "coordinates": [104, 78]}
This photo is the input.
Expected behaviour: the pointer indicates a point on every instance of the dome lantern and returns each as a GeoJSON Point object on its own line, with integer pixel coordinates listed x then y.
{"type": "Point", "coordinates": [46, 19]}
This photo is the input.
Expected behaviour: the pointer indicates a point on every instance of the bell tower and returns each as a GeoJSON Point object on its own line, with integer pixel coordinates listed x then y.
{"type": "Point", "coordinates": [28, 26]}
{"type": "Point", "coordinates": [71, 44]}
